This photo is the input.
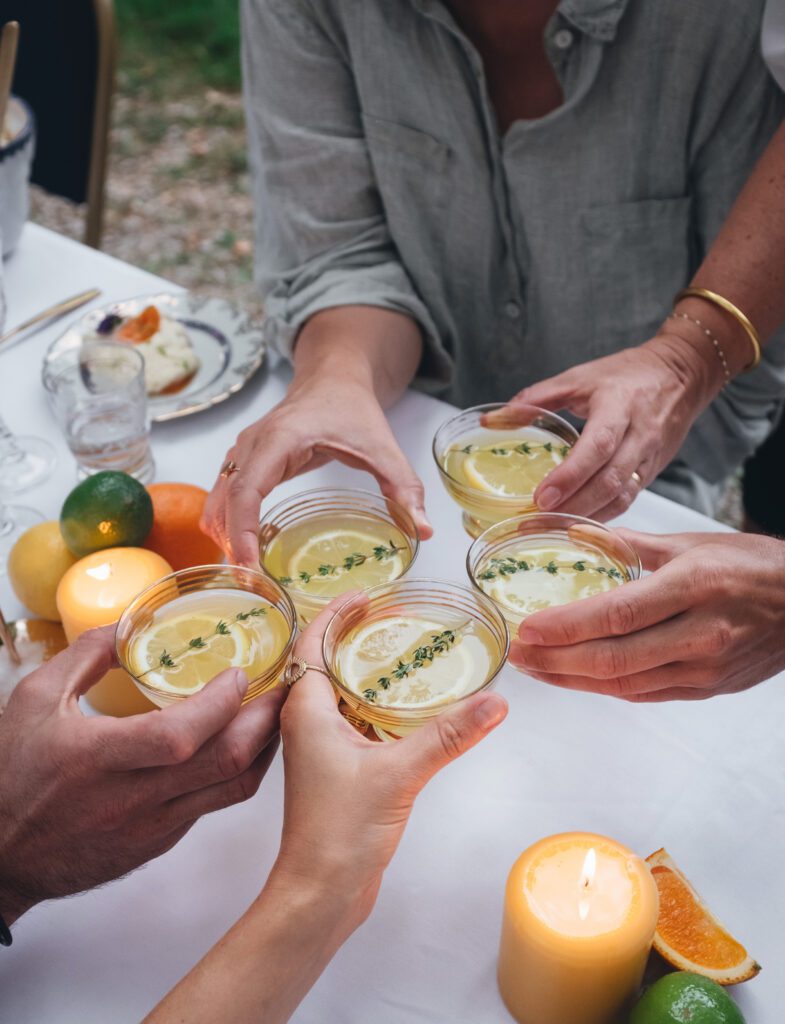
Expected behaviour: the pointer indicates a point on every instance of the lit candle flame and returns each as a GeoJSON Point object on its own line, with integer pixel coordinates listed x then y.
{"type": "Point", "coordinates": [100, 572]}
{"type": "Point", "coordinates": [587, 878]}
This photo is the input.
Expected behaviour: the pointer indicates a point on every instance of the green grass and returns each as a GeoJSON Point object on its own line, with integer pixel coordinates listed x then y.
{"type": "Point", "coordinates": [203, 35]}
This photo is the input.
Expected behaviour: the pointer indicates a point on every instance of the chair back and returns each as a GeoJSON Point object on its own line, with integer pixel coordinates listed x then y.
{"type": "Point", "coordinates": [65, 71]}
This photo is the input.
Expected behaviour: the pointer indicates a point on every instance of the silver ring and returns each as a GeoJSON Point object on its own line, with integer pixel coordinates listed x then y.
{"type": "Point", "coordinates": [637, 478]}
{"type": "Point", "coordinates": [297, 668]}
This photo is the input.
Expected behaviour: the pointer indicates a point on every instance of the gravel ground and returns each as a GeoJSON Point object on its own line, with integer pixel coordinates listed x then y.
{"type": "Point", "coordinates": [178, 202]}
{"type": "Point", "coordinates": [178, 175]}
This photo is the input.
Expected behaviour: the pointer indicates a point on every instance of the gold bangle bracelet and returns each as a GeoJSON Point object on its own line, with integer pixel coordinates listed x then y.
{"type": "Point", "coordinates": [735, 312]}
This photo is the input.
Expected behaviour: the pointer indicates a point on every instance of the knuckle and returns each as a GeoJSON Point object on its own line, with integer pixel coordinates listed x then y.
{"type": "Point", "coordinates": [609, 662]}
{"type": "Point", "coordinates": [611, 483]}
{"type": "Point", "coordinates": [622, 614]}
{"type": "Point", "coordinates": [452, 739]}
{"type": "Point", "coordinates": [232, 758]}
{"type": "Point", "coordinates": [716, 638]}
{"type": "Point", "coordinates": [178, 744]}
{"type": "Point", "coordinates": [605, 442]}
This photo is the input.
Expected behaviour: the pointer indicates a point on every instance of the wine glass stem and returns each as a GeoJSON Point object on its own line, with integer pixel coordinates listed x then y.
{"type": "Point", "coordinates": [6, 521]}
{"type": "Point", "coordinates": [9, 450]}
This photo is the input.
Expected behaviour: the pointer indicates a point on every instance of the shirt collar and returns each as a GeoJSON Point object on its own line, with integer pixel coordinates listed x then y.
{"type": "Point", "coordinates": [596, 18]}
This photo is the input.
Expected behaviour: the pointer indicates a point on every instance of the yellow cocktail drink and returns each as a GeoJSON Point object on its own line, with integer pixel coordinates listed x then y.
{"type": "Point", "coordinates": [320, 544]}
{"type": "Point", "coordinates": [533, 562]}
{"type": "Point", "coordinates": [492, 459]}
{"type": "Point", "coordinates": [182, 632]}
{"type": "Point", "coordinates": [407, 651]}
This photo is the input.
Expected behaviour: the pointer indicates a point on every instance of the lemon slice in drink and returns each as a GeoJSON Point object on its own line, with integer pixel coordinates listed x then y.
{"type": "Point", "coordinates": [193, 667]}
{"type": "Point", "coordinates": [375, 650]}
{"type": "Point", "coordinates": [331, 548]}
{"type": "Point", "coordinates": [510, 475]}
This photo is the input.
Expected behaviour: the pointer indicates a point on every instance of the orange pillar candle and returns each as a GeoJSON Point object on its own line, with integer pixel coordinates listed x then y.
{"type": "Point", "coordinates": [94, 592]}
{"type": "Point", "coordinates": [580, 914]}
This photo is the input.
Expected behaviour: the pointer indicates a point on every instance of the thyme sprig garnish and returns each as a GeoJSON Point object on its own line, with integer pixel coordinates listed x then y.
{"type": "Point", "coordinates": [509, 566]}
{"type": "Point", "coordinates": [379, 553]}
{"type": "Point", "coordinates": [524, 448]}
{"type": "Point", "coordinates": [197, 643]}
{"type": "Point", "coordinates": [440, 643]}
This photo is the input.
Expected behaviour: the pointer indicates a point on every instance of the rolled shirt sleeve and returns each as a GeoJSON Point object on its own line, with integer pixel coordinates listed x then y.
{"type": "Point", "coordinates": [321, 234]}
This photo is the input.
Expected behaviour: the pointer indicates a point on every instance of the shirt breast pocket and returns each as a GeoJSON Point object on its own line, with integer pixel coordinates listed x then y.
{"type": "Point", "coordinates": [638, 255]}
{"type": "Point", "coordinates": [411, 168]}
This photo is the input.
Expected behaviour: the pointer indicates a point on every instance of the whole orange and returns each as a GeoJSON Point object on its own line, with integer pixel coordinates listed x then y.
{"type": "Point", "coordinates": [175, 534]}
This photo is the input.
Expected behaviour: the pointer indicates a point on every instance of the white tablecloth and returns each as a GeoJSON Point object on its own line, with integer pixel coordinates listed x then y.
{"type": "Point", "coordinates": [707, 779]}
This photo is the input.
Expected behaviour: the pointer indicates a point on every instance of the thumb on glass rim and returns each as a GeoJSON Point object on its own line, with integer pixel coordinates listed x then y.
{"type": "Point", "coordinates": [657, 549]}
{"type": "Point", "coordinates": [451, 734]}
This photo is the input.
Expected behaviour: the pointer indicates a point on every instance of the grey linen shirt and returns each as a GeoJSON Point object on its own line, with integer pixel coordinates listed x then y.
{"type": "Point", "coordinates": [381, 178]}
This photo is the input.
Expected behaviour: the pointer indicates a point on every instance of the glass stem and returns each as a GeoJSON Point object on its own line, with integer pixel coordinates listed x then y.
{"type": "Point", "coordinates": [9, 449]}
{"type": "Point", "coordinates": [6, 521]}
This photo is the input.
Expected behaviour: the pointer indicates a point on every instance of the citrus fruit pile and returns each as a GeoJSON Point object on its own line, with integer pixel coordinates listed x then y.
{"type": "Point", "coordinates": [690, 938]}
{"type": "Point", "coordinates": [108, 510]}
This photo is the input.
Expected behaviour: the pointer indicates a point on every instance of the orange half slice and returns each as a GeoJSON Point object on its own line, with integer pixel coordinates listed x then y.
{"type": "Point", "coordinates": [688, 935]}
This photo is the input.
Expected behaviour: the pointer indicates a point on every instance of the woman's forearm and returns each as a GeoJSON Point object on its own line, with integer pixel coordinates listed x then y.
{"type": "Point", "coordinates": [264, 966]}
{"type": "Point", "coordinates": [746, 263]}
{"type": "Point", "coordinates": [373, 347]}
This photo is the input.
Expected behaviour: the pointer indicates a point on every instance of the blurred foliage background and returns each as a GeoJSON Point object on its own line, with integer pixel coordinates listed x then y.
{"type": "Point", "coordinates": [178, 199]}
{"type": "Point", "coordinates": [202, 35]}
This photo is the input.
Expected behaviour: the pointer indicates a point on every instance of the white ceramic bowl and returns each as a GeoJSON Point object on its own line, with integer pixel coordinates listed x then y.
{"type": "Point", "coordinates": [16, 158]}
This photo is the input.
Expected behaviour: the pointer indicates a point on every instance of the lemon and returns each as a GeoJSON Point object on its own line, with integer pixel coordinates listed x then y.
{"type": "Point", "coordinates": [683, 998]}
{"type": "Point", "coordinates": [107, 510]}
{"type": "Point", "coordinates": [331, 547]}
{"type": "Point", "coordinates": [36, 564]}
{"type": "Point", "coordinates": [194, 667]}
{"type": "Point", "coordinates": [376, 649]}
{"type": "Point", "coordinates": [511, 475]}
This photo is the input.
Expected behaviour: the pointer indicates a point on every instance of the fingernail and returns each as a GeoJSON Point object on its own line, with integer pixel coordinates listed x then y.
{"type": "Point", "coordinates": [549, 498]}
{"type": "Point", "coordinates": [529, 635]}
{"type": "Point", "coordinates": [490, 711]}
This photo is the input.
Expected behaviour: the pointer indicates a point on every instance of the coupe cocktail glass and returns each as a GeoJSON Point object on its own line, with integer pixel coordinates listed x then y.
{"type": "Point", "coordinates": [322, 543]}
{"type": "Point", "coordinates": [532, 562]}
{"type": "Point", "coordinates": [402, 653]}
{"type": "Point", "coordinates": [492, 458]}
{"type": "Point", "coordinates": [179, 633]}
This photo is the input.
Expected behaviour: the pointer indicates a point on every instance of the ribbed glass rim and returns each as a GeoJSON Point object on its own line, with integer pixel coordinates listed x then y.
{"type": "Point", "coordinates": [226, 578]}
{"type": "Point", "coordinates": [438, 447]}
{"type": "Point", "coordinates": [500, 534]}
{"type": "Point", "coordinates": [318, 501]}
{"type": "Point", "coordinates": [388, 596]}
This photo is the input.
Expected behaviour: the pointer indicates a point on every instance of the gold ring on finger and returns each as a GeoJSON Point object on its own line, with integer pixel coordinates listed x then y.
{"type": "Point", "coordinates": [636, 477]}
{"type": "Point", "coordinates": [297, 668]}
{"type": "Point", "coordinates": [229, 467]}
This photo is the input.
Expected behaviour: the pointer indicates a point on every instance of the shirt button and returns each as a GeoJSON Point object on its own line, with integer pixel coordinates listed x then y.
{"type": "Point", "coordinates": [512, 310]}
{"type": "Point", "coordinates": [563, 39]}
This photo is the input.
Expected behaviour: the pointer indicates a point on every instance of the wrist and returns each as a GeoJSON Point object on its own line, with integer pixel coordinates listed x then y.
{"type": "Point", "coordinates": [692, 357]}
{"type": "Point", "coordinates": [725, 328]}
{"type": "Point", "coordinates": [338, 901]}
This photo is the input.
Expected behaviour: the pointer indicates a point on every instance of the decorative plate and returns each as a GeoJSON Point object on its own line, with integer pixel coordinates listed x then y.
{"type": "Point", "coordinates": [229, 348]}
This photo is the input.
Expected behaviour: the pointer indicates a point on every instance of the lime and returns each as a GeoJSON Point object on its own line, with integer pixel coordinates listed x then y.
{"type": "Point", "coordinates": [107, 510]}
{"type": "Point", "coordinates": [36, 564]}
{"type": "Point", "coordinates": [681, 997]}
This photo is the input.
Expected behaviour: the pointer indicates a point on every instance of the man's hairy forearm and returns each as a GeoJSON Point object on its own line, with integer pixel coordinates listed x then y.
{"type": "Point", "coordinates": [373, 347]}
